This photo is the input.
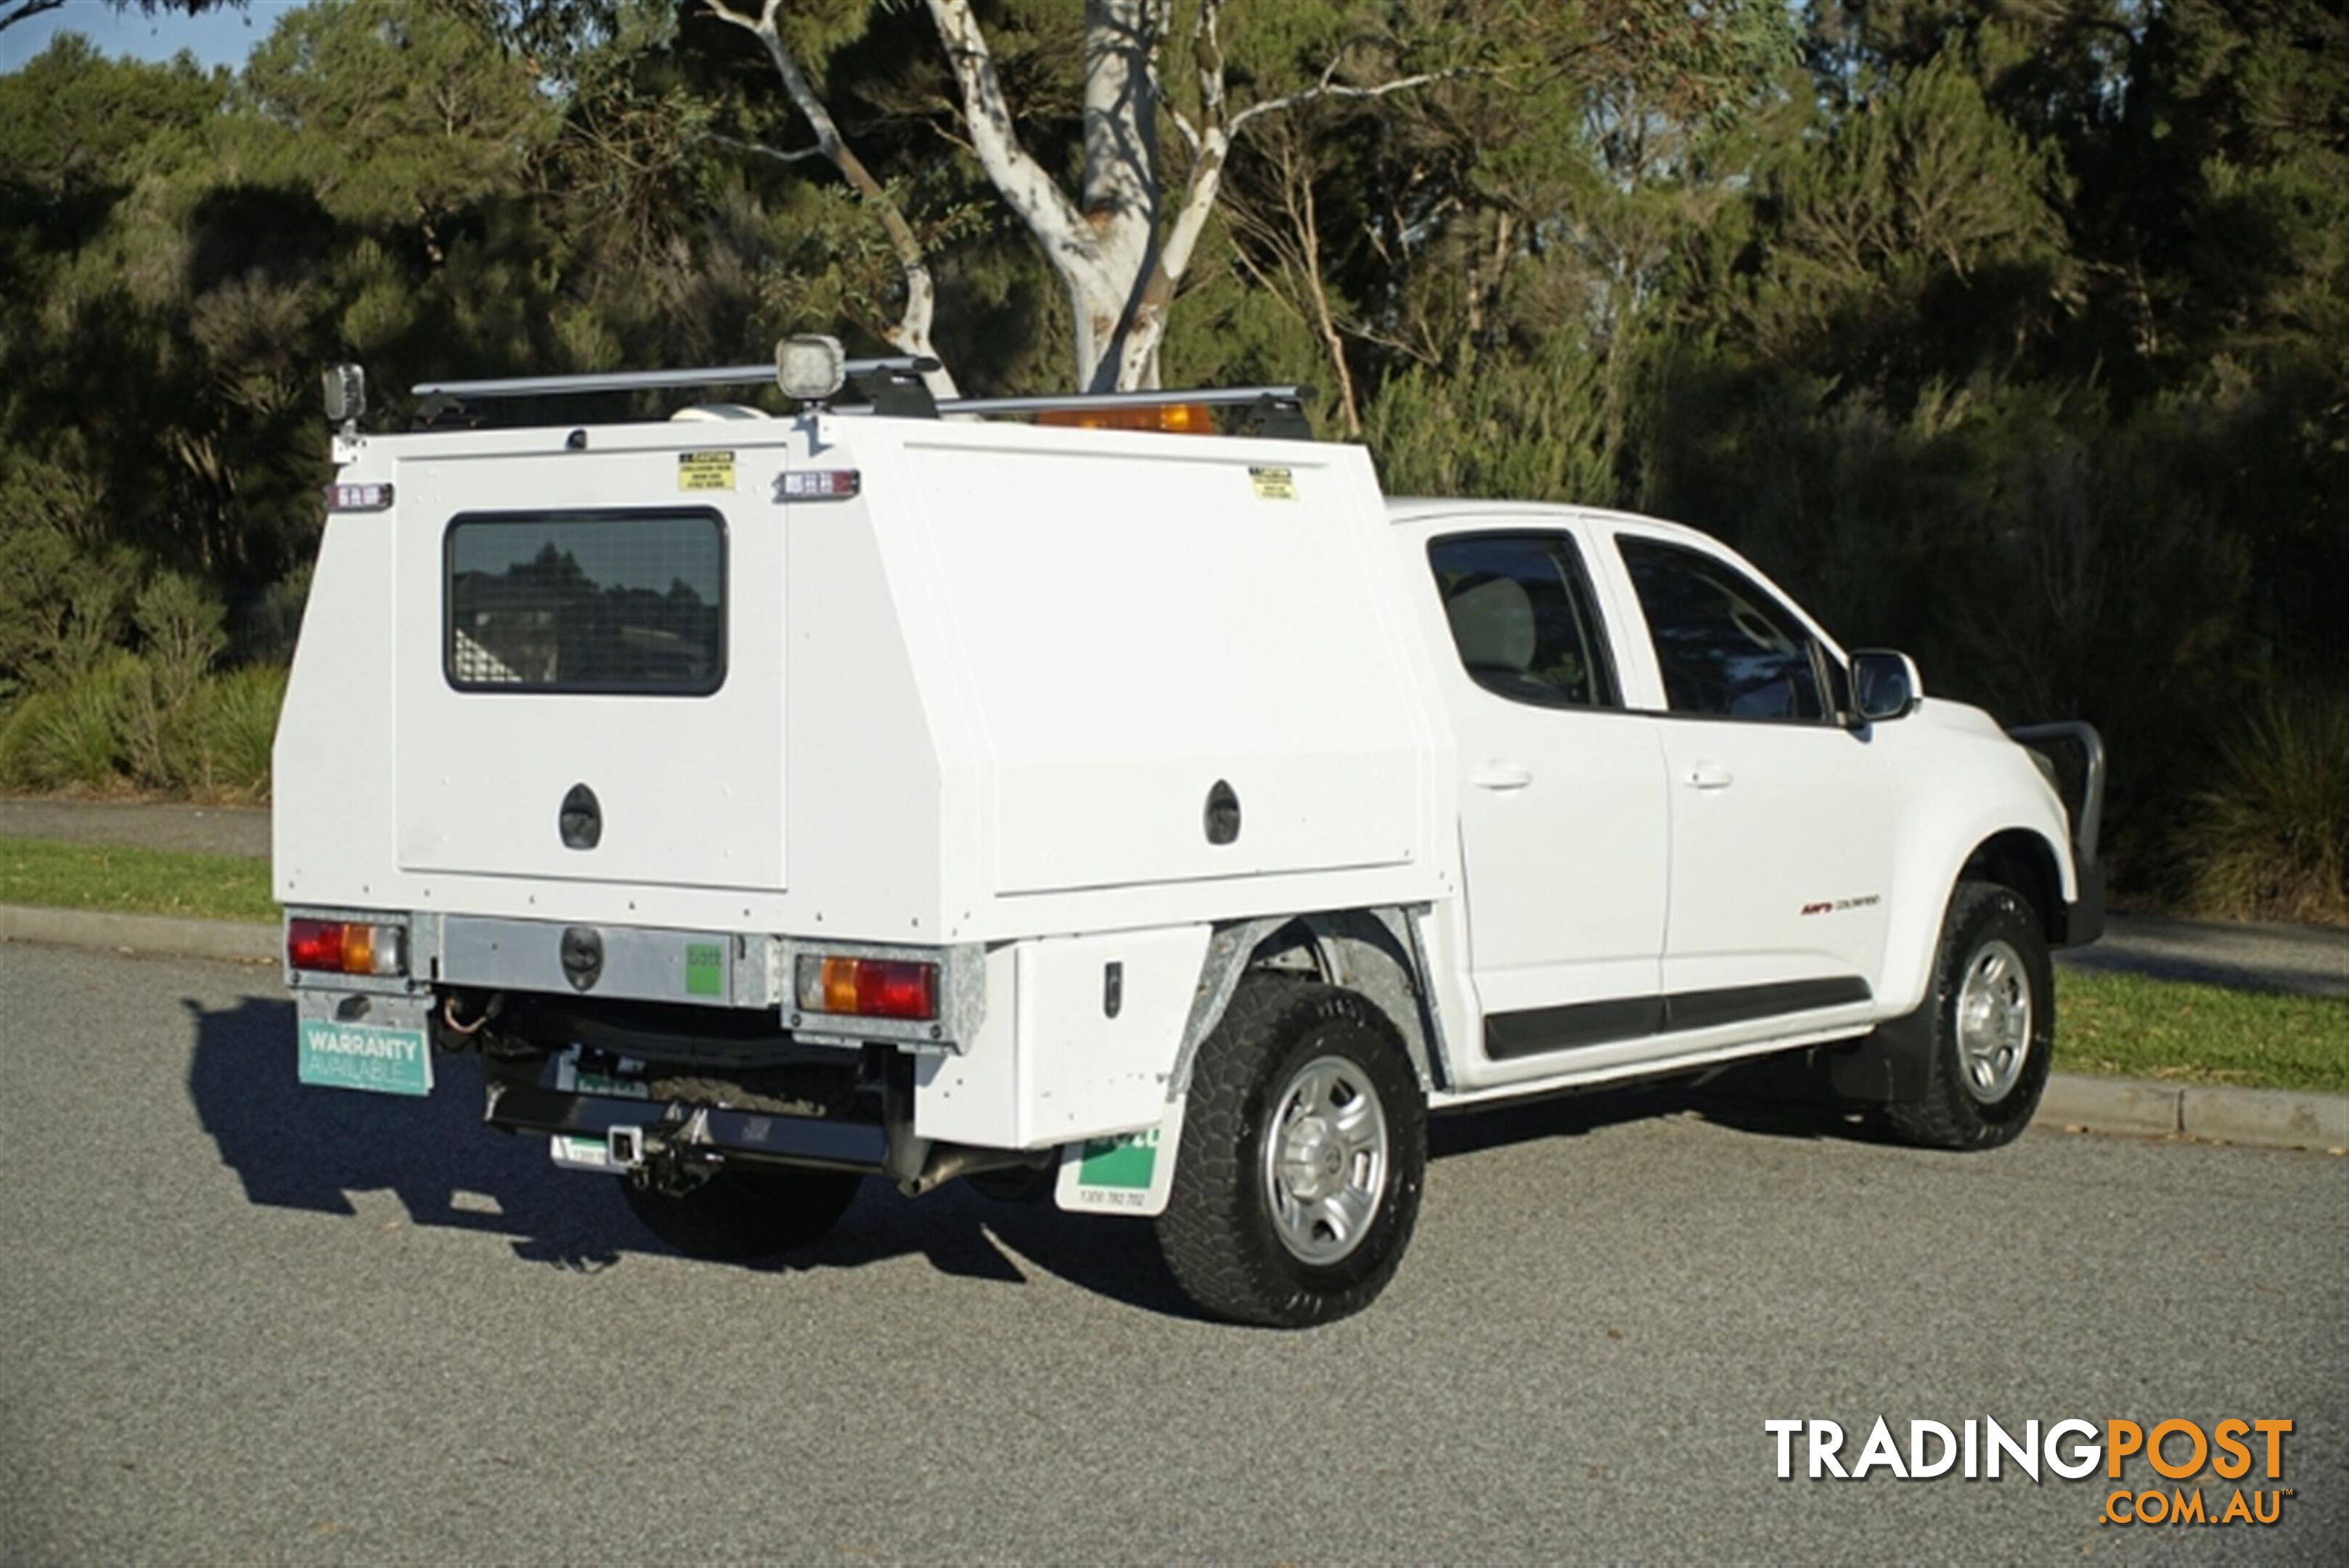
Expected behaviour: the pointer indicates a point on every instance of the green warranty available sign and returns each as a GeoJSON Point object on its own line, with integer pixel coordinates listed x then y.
{"type": "Point", "coordinates": [363, 1056]}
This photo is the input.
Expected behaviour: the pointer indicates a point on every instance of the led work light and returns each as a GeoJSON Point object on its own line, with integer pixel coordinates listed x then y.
{"type": "Point", "coordinates": [809, 368]}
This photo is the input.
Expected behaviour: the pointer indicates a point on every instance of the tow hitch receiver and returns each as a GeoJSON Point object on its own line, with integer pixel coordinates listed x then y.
{"type": "Point", "coordinates": [633, 1131]}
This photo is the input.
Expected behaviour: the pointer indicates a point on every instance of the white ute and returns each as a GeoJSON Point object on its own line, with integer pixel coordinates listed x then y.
{"type": "Point", "coordinates": [1167, 820]}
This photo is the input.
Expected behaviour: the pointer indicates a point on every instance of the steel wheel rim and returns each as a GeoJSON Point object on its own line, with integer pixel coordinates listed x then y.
{"type": "Point", "coordinates": [1993, 1022]}
{"type": "Point", "coordinates": [1325, 1160]}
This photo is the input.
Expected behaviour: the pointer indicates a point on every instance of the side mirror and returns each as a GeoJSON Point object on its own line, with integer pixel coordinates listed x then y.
{"type": "Point", "coordinates": [1885, 685]}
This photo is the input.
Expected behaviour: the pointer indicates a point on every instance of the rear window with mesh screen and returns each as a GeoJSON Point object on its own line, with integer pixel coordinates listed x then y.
{"type": "Point", "coordinates": [587, 602]}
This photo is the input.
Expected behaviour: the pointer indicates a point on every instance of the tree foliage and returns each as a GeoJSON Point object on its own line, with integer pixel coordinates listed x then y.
{"type": "Point", "coordinates": [15, 11]}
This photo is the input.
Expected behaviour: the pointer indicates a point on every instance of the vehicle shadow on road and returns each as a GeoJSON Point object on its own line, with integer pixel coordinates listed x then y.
{"type": "Point", "coordinates": [294, 1147]}
{"type": "Point", "coordinates": [309, 1148]}
{"type": "Point", "coordinates": [1768, 1100]}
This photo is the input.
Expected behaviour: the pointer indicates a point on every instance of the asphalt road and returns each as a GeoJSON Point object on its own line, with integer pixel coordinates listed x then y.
{"type": "Point", "coordinates": [2247, 955]}
{"type": "Point", "coordinates": [242, 830]}
{"type": "Point", "coordinates": [246, 1321]}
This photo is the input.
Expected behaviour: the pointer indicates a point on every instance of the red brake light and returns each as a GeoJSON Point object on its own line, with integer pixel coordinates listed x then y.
{"type": "Point", "coordinates": [868, 988]}
{"type": "Point", "coordinates": [890, 990]}
{"type": "Point", "coordinates": [314, 944]}
{"type": "Point", "coordinates": [346, 947]}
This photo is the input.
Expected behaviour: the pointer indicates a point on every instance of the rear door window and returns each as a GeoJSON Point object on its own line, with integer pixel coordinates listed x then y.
{"type": "Point", "coordinates": [615, 602]}
{"type": "Point", "coordinates": [1523, 620]}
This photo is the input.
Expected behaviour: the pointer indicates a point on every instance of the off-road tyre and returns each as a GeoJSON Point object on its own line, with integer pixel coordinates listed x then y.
{"type": "Point", "coordinates": [1984, 921]}
{"type": "Point", "coordinates": [1219, 1232]}
{"type": "Point", "coordinates": [738, 1215]}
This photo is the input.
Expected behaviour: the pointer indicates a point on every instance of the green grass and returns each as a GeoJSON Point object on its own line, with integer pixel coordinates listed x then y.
{"type": "Point", "coordinates": [134, 881]}
{"type": "Point", "coordinates": [2123, 1025]}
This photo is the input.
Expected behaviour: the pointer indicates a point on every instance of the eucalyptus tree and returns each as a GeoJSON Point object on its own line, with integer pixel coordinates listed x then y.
{"type": "Point", "coordinates": [1120, 235]}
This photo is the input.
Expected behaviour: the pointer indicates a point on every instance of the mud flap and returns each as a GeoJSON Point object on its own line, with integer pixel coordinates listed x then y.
{"type": "Point", "coordinates": [1131, 1173]}
{"type": "Point", "coordinates": [376, 1041]}
{"type": "Point", "coordinates": [1892, 1064]}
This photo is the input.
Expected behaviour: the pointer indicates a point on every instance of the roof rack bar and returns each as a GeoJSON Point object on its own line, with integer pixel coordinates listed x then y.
{"type": "Point", "coordinates": [1036, 405]}
{"type": "Point", "coordinates": [646, 380]}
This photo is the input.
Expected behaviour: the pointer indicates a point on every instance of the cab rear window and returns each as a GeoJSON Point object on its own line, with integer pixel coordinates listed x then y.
{"type": "Point", "coordinates": [614, 602]}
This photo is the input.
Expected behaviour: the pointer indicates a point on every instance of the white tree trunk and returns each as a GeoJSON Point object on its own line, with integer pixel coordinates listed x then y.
{"type": "Point", "coordinates": [1118, 270]}
{"type": "Point", "coordinates": [1118, 277]}
{"type": "Point", "coordinates": [1120, 184]}
{"type": "Point", "coordinates": [1147, 278]}
{"type": "Point", "coordinates": [1095, 251]}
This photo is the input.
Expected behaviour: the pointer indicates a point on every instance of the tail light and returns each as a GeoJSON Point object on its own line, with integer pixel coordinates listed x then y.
{"type": "Point", "coordinates": [868, 988]}
{"type": "Point", "coordinates": [346, 947]}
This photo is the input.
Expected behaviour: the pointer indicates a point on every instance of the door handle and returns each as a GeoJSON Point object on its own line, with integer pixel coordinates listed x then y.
{"type": "Point", "coordinates": [1501, 775]}
{"type": "Point", "coordinates": [1709, 775]}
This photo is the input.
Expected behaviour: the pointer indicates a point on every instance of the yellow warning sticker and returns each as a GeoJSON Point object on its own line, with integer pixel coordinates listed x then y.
{"type": "Point", "coordinates": [705, 471]}
{"type": "Point", "coordinates": [1273, 483]}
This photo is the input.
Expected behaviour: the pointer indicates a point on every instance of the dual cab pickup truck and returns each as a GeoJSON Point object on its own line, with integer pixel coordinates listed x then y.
{"type": "Point", "coordinates": [1172, 822]}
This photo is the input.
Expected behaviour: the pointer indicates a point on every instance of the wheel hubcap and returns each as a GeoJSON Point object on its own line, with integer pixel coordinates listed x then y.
{"type": "Point", "coordinates": [1325, 1159]}
{"type": "Point", "coordinates": [1993, 1022]}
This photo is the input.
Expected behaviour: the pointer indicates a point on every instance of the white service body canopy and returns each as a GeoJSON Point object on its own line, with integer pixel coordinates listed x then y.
{"type": "Point", "coordinates": [987, 697]}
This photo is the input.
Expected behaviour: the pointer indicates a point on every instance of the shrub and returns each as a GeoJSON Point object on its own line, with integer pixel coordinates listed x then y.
{"type": "Point", "coordinates": [149, 730]}
{"type": "Point", "coordinates": [180, 627]}
{"type": "Point", "coordinates": [29, 712]}
{"type": "Point", "coordinates": [114, 726]}
{"type": "Point", "coordinates": [2272, 840]}
{"type": "Point", "coordinates": [235, 723]}
{"type": "Point", "coordinates": [60, 605]}
{"type": "Point", "coordinates": [271, 624]}
{"type": "Point", "coordinates": [71, 735]}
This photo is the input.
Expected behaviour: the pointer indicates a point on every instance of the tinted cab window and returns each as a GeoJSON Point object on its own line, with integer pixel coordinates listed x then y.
{"type": "Point", "coordinates": [1522, 619]}
{"type": "Point", "coordinates": [1726, 647]}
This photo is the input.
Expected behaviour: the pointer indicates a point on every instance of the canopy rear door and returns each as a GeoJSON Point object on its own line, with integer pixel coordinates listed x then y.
{"type": "Point", "coordinates": [590, 668]}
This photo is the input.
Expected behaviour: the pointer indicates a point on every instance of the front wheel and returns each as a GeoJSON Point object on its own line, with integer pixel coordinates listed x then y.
{"type": "Point", "coordinates": [1993, 1013]}
{"type": "Point", "coordinates": [1303, 1154]}
{"type": "Point", "coordinates": [740, 1214]}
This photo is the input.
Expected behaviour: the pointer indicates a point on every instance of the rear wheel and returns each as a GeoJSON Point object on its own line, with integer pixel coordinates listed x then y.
{"type": "Point", "coordinates": [740, 1214]}
{"type": "Point", "coordinates": [1303, 1155]}
{"type": "Point", "coordinates": [1992, 1010]}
